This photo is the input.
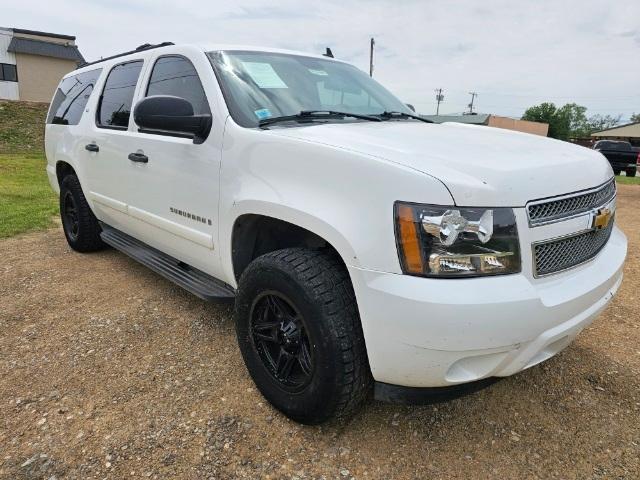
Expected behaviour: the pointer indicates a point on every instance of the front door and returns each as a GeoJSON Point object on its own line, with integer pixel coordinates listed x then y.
{"type": "Point", "coordinates": [174, 183]}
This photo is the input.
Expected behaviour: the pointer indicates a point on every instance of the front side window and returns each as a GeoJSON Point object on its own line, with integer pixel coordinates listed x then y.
{"type": "Point", "coordinates": [260, 85]}
{"type": "Point", "coordinates": [71, 98]}
{"type": "Point", "coordinates": [176, 76]}
{"type": "Point", "coordinates": [115, 104]}
{"type": "Point", "coordinates": [8, 72]}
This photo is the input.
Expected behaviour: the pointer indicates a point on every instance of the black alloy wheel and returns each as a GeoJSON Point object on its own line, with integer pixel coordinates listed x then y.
{"type": "Point", "coordinates": [81, 227]}
{"type": "Point", "coordinates": [281, 340]}
{"type": "Point", "coordinates": [70, 218]}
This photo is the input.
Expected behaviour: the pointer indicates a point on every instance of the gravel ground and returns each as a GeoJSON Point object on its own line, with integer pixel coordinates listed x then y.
{"type": "Point", "coordinates": [109, 371]}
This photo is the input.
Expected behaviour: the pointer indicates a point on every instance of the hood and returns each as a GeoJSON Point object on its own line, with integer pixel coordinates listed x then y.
{"type": "Point", "coordinates": [481, 166]}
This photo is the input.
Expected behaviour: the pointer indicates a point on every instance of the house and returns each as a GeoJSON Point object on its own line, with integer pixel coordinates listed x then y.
{"type": "Point", "coordinates": [497, 121]}
{"type": "Point", "coordinates": [629, 132]}
{"type": "Point", "coordinates": [32, 63]}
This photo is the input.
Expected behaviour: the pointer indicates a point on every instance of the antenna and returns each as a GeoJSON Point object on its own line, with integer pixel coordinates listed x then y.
{"type": "Point", "coordinates": [373, 43]}
{"type": "Point", "coordinates": [328, 53]}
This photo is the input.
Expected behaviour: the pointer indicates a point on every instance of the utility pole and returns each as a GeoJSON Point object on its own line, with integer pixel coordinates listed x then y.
{"type": "Point", "coordinates": [373, 42]}
{"type": "Point", "coordinates": [439, 98]}
{"type": "Point", "coordinates": [473, 97]}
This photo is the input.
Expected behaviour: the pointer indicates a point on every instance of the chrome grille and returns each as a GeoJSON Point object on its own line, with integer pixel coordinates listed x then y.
{"type": "Point", "coordinates": [541, 212]}
{"type": "Point", "coordinates": [560, 254]}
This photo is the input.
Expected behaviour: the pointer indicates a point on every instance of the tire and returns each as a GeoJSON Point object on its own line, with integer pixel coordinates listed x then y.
{"type": "Point", "coordinates": [631, 172]}
{"type": "Point", "coordinates": [312, 289]}
{"type": "Point", "coordinates": [616, 171]}
{"type": "Point", "coordinates": [81, 227]}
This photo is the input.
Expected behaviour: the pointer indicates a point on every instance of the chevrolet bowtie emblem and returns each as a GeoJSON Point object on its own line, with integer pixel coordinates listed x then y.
{"type": "Point", "coordinates": [601, 218]}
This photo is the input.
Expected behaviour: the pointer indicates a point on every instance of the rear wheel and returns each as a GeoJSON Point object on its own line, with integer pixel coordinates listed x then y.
{"type": "Point", "coordinates": [299, 332]}
{"type": "Point", "coordinates": [81, 227]}
{"type": "Point", "coordinates": [616, 171]}
{"type": "Point", "coordinates": [631, 172]}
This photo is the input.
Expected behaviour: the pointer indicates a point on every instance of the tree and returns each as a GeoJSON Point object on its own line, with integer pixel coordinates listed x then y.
{"type": "Point", "coordinates": [576, 116]}
{"type": "Point", "coordinates": [635, 117]}
{"type": "Point", "coordinates": [571, 120]}
{"type": "Point", "coordinates": [559, 122]}
{"type": "Point", "coordinates": [603, 122]}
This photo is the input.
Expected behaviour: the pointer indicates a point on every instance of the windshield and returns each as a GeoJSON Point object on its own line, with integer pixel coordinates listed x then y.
{"type": "Point", "coordinates": [262, 85]}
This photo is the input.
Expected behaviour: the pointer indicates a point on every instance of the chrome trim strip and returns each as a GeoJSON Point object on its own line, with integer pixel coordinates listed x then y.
{"type": "Point", "coordinates": [561, 218]}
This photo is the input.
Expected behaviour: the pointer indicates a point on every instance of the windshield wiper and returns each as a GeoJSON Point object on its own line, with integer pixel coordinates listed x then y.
{"type": "Point", "coordinates": [315, 115]}
{"type": "Point", "coordinates": [389, 115]}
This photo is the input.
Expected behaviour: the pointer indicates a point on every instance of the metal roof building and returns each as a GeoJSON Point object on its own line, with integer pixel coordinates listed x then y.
{"type": "Point", "coordinates": [32, 63]}
{"type": "Point", "coordinates": [629, 132]}
{"type": "Point", "coordinates": [497, 121]}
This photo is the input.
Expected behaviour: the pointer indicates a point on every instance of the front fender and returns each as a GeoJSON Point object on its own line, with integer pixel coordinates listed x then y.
{"type": "Point", "coordinates": [345, 197]}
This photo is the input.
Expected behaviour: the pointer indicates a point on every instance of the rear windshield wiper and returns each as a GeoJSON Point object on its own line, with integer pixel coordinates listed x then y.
{"type": "Point", "coordinates": [388, 115]}
{"type": "Point", "coordinates": [315, 115]}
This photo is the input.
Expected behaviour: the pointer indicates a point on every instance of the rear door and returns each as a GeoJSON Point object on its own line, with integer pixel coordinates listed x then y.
{"type": "Point", "coordinates": [174, 193]}
{"type": "Point", "coordinates": [104, 149]}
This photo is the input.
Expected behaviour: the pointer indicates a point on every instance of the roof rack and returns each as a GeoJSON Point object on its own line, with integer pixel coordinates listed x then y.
{"type": "Point", "coordinates": [141, 48]}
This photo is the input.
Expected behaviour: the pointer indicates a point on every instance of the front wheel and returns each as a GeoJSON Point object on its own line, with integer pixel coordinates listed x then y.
{"type": "Point", "coordinates": [300, 335]}
{"type": "Point", "coordinates": [631, 172]}
{"type": "Point", "coordinates": [616, 171]}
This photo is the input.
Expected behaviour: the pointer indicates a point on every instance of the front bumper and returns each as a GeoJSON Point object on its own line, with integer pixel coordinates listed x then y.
{"type": "Point", "coordinates": [423, 332]}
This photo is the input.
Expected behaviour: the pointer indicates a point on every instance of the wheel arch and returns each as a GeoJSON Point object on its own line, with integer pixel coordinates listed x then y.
{"type": "Point", "coordinates": [255, 233]}
{"type": "Point", "coordinates": [63, 169]}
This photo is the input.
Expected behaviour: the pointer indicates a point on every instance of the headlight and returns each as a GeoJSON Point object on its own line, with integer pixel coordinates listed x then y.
{"type": "Point", "coordinates": [437, 241]}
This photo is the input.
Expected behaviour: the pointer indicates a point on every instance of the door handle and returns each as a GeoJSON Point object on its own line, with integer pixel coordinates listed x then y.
{"type": "Point", "coordinates": [92, 147]}
{"type": "Point", "coordinates": [138, 157]}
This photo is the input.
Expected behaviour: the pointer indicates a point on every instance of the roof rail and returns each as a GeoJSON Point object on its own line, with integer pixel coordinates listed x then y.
{"type": "Point", "coordinates": [141, 48]}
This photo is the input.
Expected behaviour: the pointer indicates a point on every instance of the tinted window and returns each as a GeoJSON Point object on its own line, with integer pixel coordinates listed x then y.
{"type": "Point", "coordinates": [8, 72]}
{"type": "Point", "coordinates": [607, 145]}
{"type": "Point", "coordinates": [115, 107]}
{"type": "Point", "coordinates": [71, 98]}
{"type": "Point", "coordinates": [176, 76]}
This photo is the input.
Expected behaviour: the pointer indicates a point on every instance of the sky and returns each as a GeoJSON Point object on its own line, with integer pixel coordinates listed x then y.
{"type": "Point", "coordinates": [514, 54]}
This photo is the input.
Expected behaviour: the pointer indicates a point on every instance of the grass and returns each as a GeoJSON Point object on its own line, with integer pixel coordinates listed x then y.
{"type": "Point", "coordinates": [27, 201]}
{"type": "Point", "coordinates": [22, 127]}
{"type": "Point", "coordinates": [623, 179]}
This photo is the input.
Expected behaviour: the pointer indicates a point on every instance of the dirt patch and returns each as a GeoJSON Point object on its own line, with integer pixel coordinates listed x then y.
{"type": "Point", "coordinates": [109, 371]}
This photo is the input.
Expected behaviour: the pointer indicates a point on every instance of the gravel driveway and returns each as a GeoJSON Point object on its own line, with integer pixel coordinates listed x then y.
{"type": "Point", "coordinates": [109, 371]}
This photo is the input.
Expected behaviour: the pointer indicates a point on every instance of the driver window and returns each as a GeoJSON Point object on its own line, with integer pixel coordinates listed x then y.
{"type": "Point", "coordinates": [176, 76]}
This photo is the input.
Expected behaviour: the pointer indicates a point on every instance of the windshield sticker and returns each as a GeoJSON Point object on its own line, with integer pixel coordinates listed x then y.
{"type": "Point", "coordinates": [318, 72]}
{"type": "Point", "coordinates": [263, 113]}
{"type": "Point", "coordinates": [264, 75]}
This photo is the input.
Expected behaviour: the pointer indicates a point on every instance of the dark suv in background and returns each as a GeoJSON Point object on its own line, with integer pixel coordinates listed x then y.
{"type": "Point", "coordinates": [621, 156]}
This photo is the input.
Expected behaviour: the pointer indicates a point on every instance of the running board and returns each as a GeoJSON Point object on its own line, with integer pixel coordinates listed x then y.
{"type": "Point", "coordinates": [195, 281]}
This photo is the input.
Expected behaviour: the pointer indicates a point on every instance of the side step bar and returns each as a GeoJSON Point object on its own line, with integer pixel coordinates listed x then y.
{"type": "Point", "coordinates": [195, 281]}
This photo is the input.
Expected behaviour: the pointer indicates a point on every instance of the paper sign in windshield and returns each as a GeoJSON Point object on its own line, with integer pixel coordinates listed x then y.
{"type": "Point", "coordinates": [318, 72]}
{"type": "Point", "coordinates": [264, 75]}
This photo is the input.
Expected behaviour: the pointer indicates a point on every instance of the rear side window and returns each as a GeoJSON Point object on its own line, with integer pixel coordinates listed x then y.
{"type": "Point", "coordinates": [175, 75]}
{"type": "Point", "coordinates": [115, 104]}
{"type": "Point", "coordinates": [71, 98]}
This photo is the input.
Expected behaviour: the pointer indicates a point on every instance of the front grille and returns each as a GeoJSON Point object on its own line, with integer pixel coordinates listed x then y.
{"type": "Point", "coordinates": [566, 252]}
{"type": "Point", "coordinates": [551, 210]}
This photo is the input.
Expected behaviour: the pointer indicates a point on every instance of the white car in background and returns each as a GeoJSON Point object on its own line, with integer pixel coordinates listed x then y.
{"type": "Point", "coordinates": [366, 248]}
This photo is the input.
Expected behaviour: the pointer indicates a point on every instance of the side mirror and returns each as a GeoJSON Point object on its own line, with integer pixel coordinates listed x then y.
{"type": "Point", "coordinates": [173, 115]}
{"type": "Point", "coordinates": [413, 109]}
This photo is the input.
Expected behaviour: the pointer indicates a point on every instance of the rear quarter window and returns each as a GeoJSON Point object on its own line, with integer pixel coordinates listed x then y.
{"type": "Point", "coordinates": [71, 98]}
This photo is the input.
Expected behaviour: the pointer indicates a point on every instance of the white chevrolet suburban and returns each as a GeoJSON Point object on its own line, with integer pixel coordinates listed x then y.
{"type": "Point", "coordinates": [367, 249]}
